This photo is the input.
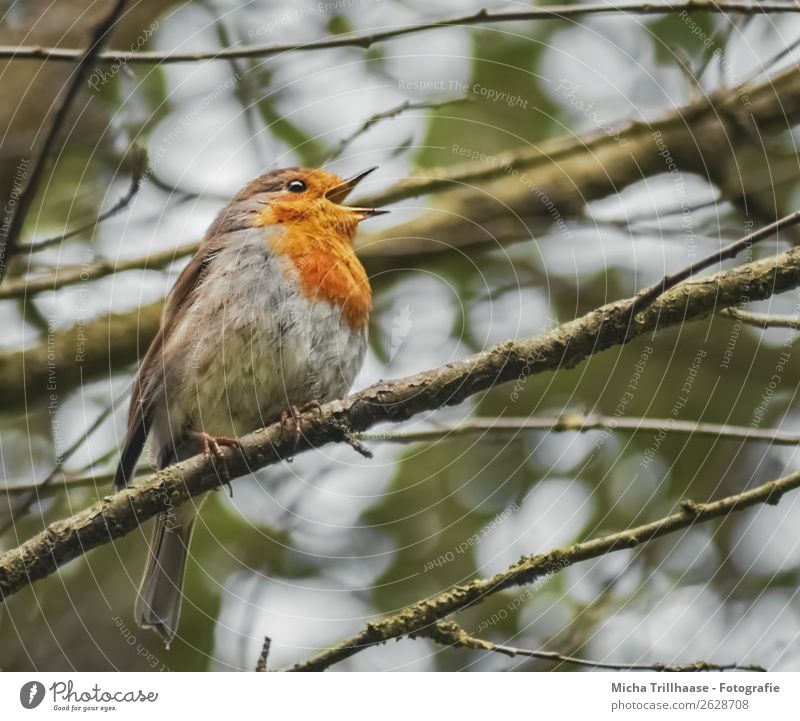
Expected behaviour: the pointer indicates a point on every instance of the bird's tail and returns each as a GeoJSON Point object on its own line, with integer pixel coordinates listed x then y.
{"type": "Point", "coordinates": [158, 604]}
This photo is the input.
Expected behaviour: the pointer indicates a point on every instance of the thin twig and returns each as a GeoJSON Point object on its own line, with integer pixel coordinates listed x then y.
{"type": "Point", "coordinates": [451, 634]}
{"type": "Point", "coordinates": [345, 142]}
{"type": "Point", "coordinates": [771, 62]}
{"type": "Point", "coordinates": [563, 347]}
{"type": "Point", "coordinates": [645, 298]}
{"type": "Point", "coordinates": [261, 666]}
{"type": "Point", "coordinates": [367, 39]}
{"type": "Point", "coordinates": [579, 423]}
{"type": "Point", "coordinates": [68, 482]}
{"type": "Point", "coordinates": [423, 615]}
{"type": "Point", "coordinates": [138, 171]}
{"type": "Point", "coordinates": [8, 244]}
{"type": "Point", "coordinates": [37, 489]}
{"type": "Point", "coordinates": [718, 40]}
{"type": "Point", "coordinates": [98, 268]}
{"type": "Point", "coordinates": [762, 320]}
{"type": "Point", "coordinates": [657, 213]}
{"type": "Point", "coordinates": [571, 422]}
{"type": "Point", "coordinates": [244, 90]}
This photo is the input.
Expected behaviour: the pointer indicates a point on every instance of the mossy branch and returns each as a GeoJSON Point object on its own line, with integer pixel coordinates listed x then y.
{"type": "Point", "coordinates": [422, 618]}
{"type": "Point", "coordinates": [394, 401]}
{"type": "Point", "coordinates": [367, 39]}
{"type": "Point", "coordinates": [571, 171]}
{"type": "Point", "coordinates": [450, 634]}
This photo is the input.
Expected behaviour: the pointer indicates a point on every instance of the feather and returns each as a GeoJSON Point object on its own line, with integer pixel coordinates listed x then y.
{"type": "Point", "coordinates": [148, 388]}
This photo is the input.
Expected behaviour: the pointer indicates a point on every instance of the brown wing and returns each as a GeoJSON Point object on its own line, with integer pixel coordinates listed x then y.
{"type": "Point", "coordinates": [148, 386]}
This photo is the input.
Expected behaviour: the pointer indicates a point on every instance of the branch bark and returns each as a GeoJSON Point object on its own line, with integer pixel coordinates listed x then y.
{"type": "Point", "coordinates": [368, 39]}
{"type": "Point", "coordinates": [563, 347]}
{"type": "Point", "coordinates": [85, 58]}
{"type": "Point", "coordinates": [575, 423]}
{"type": "Point", "coordinates": [567, 423]}
{"type": "Point", "coordinates": [451, 634]}
{"type": "Point", "coordinates": [139, 161]}
{"type": "Point", "coordinates": [421, 617]}
{"type": "Point", "coordinates": [496, 202]}
{"type": "Point", "coordinates": [72, 357]}
{"type": "Point", "coordinates": [69, 275]}
{"type": "Point", "coordinates": [571, 171]}
{"type": "Point", "coordinates": [762, 320]}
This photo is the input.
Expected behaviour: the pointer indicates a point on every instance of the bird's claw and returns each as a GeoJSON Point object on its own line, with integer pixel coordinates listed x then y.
{"type": "Point", "coordinates": [294, 413]}
{"type": "Point", "coordinates": [213, 452]}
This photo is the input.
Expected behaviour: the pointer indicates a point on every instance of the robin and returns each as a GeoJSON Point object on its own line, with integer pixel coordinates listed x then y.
{"type": "Point", "coordinates": [270, 314]}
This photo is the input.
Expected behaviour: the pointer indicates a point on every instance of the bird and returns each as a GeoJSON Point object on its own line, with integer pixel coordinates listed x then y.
{"type": "Point", "coordinates": [269, 316]}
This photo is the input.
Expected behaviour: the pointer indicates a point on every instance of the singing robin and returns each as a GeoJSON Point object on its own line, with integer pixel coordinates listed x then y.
{"type": "Point", "coordinates": [270, 314]}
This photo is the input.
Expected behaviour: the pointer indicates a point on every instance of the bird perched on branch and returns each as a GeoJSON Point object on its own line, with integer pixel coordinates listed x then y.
{"type": "Point", "coordinates": [269, 315]}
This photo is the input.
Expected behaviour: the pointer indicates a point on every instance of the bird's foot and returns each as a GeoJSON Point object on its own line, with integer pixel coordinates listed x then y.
{"type": "Point", "coordinates": [293, 427]}
{"type": "Point", "coordinates": [213, 452]}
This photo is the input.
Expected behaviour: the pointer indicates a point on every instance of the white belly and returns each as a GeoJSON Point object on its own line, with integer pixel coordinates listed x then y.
{"type": "Point", "coordinates": [251, 346]}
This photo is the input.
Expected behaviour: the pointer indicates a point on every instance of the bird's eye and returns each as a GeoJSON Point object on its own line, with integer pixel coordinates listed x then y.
{"type": "Point", "coordinates": [296, 186]}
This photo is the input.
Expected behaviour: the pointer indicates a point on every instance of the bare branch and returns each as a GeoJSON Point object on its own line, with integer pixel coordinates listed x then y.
{"type": "Point", "coordinates": [139, 169]}
{"type": "Point", "coordinates": [575, 158]}
{"type": "Point", "coordinates": [762, 320]}
{"type": "Point", "coordinates": [562, 347]}
{"type": "Point", "coordinates": [367, 39]}
{"type": "Point", "coordinates": [67, 482]}
{"type": "Point", "coordinates": [451, 634]}
{"type": "Point", "coordinates": [569, 422]}
{"type": "Point", "coordinates": [36, 489]}
{"type": "Point", "coordinates": [422, 616]}
{"type": "Point", "coordinates": [579, 423]}
{"type": "Point", "coordinates": [264, 655]}
{"type": "Point", "coordinates": [373, 120]}
{"type": "Point", "coordinates": [8, 243]}
{"type": "Point", "coordinates": [645, 297]}
{"type": "Point", "coordinates": [99, 268]}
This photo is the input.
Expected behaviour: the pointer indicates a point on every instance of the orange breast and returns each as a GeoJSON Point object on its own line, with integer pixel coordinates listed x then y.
{"type": "Point", "coordinates": [327, 267]}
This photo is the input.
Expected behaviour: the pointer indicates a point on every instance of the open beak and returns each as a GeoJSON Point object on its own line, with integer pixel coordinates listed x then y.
{"type": "Point", "coordinates": [340, 192]}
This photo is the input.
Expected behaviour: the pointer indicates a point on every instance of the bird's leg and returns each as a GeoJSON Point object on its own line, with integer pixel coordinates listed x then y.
{"type": "Point", "coordinates": [212, 445]}
{"type": "Point", "coordinates": [345, 433]}
{"type": "Point", "coordinates": [213, 451]}
{"type": "Point", "coordinates": [292, 412]}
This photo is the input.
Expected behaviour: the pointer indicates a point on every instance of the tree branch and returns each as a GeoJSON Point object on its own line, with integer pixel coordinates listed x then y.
{"type": "Point", "coordinates": [139, 168]}
{"type": "Point", "coordinates": [762, 320]}
{"type": "Point", "coordinates": [571, 170]}
{"type": "Point", "coordinates": [579, 423]}
{"type": "Point", "coordinates": [72, 357]}
{"type": "Point", "coordinates": [68, 275]}
{"type": "Point", "coordinates": [451, 634]}
{"type": "Point", "coordinates": [567, 423]}
{"type": "Point", "coordinates": [85, 57]}
{"type": "Point", "coordinates": [261, 665]}
{"type": "Point", "coordinates": [368, 39]}
{"type": "Point", "coordinates": [645, 297]}
{"type": "Point", "coordinates": [506, 197]}
{"type": "Point", "coordinates": [397, 110]}
{"type": "Point", "coordinates": [21, 507]}
{"type": "Point", "coordinates": [422, 616]}
{"type": "Point", "coordinates": [562, 347]}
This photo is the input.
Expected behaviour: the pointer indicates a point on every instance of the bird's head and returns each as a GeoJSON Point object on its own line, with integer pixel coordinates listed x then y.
{"type": "Point", "coordinates": [310, 198]}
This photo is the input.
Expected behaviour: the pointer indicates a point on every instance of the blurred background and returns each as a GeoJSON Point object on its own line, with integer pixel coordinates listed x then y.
{"type": "Point", "coordinates": [308, 552]}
